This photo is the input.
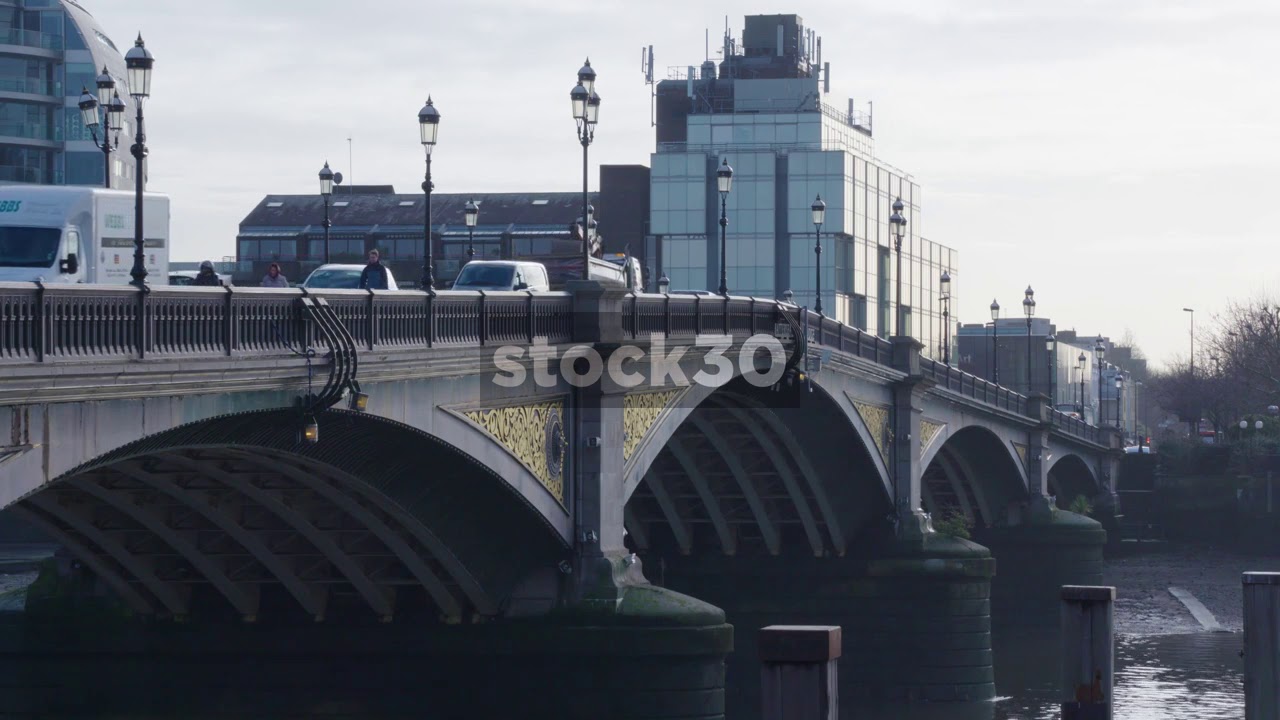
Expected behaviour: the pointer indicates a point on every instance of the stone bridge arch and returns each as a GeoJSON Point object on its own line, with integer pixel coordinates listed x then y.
{"type": "Point", "coordinates": [741, 470]}
{"type": "Point", "coordinates": [233, 515]}
{"type": "Point", "coordinates": [1069, 476]}
{"type": "Point", "coordinates": [975, 472]}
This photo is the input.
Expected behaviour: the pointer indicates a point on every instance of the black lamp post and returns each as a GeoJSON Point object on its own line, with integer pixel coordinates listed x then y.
{"type": "Point", "coordinates": [111, 116]}
{"type": "Point", "coordinates": [944, 285]}
{"type": "Point", "coordinates": [139, 62]}
{"type": "Point", "coordinates": [899, 228]}
{"type": "Point", "coordinates": [724, 183]}
{"type": "Point", "coordinates": [326, 189]}
{"type": "Point", "coordinates": [819, 209]}
{"type": "Point", "coordinates": [1029, 309]}
{"type": "Point", "coordinates": [1050, 345]}
{"type": "Point", "coordinates": [586, 111]}
{"type": "Point", "coordinates": [471, 213]}
{"type": "Point", "coordinates": [1119, 386]}
{"type": "Point", "coordinates": [664, 283]}
{"type": "Point", "coordinates": [429, 124]}
{"type": "Point", "coordinates": [995, 343]}
{"type": "Point", "coordinates": [1080, 363]}
{"type": "Point", "coordinates": [1099, 352]}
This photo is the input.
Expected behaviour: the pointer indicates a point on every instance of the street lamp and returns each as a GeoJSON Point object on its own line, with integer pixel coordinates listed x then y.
{"type": "Point", "coordinates": [429, 125]}
{"type": "Point", "coordinates": [471, 213]}
{"type": "Point", "coordinates": [819, 209]}
{"type": "Point", "coordinates": [108, 108]}
{"type": "Point", "coordinates": [1050, 345]}
{"type": "Point", "coordinates": [1195, 424]}
{"type": "Point", "coordinates": [944, 285]}
{"type": "Point", "coordinates": [1136, 430]}
{"type": "Point", "coordinates": [995, 347]}
{"type": "Point", "coordinates": [327, 178]}
{"type": "Point", "coordinates": [1099, 352]}
{"type": "Point", "coordinates": [1080, 363]}
{"type": "Point", "coordinates": [899, 224]}
{"type": "Point", "coordinates": [586, 111]}
{"type": "Point", "coordinates": [724, 183]}
{"type": "Point", "coordinates": [1029, 309]}
{"type": "Point", "coordinates": [1119, 386]}
{"type": "Point", "coordinates": [139, 61]}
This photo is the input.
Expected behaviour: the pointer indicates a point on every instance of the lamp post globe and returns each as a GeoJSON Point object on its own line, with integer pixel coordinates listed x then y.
{"type": "Point", "coordinates": [724, 184]}
{"type": "Point", "coordinates": [819, 210]}
{"type": "Point", "coordinates": [429, 131]}
{"type": "Point", "coordinates": [138, 63]}
{"type": "Point", "coordinates": [587, 76]}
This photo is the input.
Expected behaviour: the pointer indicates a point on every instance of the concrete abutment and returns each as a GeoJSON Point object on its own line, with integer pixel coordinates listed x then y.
{"type": "Point", "coordinates": [1036, 558]}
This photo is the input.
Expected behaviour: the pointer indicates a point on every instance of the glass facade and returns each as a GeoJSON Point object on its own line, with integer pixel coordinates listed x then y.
{"type": "Point", "coordinates": [42, 139]}
{"type": "Point", "coordinates": [782, 161]}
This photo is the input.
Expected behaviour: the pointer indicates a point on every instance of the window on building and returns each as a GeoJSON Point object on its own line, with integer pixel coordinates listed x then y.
{"type": "Point", "coordinates": [84, 168]}
{"type": "Point", "coordinates": [81, 76]}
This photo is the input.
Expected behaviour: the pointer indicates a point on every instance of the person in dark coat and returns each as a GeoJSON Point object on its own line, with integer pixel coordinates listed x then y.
{"type": "Point", "coordinates": [374, 275]}
{"type": "Point", "coordinates": [207, 276]}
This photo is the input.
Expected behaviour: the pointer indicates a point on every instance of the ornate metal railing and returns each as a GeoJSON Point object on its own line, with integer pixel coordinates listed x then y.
{"type": "Point", "coordinates": [50, 323]}
{"type": "Point", "coordinates": [1075, 426]}
{"type": "Point", "coordinates": [972, 386]}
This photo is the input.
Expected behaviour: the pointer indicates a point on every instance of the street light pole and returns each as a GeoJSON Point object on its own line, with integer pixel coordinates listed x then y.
{"type": "Point", "coordinates": [429, 125]}
{"type": "Point", "coordinates": [1029, 309]}
{"type": "Point", "coordinates": [139, 61]}
{"type": "Point", "coordinates": [327, 178]}
{"type": "Point", "coordinates": [1119, 394]}
{"type": "Point", "coordinates": [1082, 362]}
{"type": "Point", "coordinates": [586, 111]}
{"type": "Point", "coordinates": [819, 209]}
{"type": "Point", "coordinates": [471, 213]}
{"type": "Point", "coordinates": [1050, 346]}
{"type": "Point", "coordinates": [1136, 431]}
{"type": "Point", "coordinates": [724, 183]}
{"type": "Point", "coordinates": [898, 224]}
{"type": "Point", "coordinates": [995, 343]}
{"type": "Point", "coordinates": [1195, 422]}
{"type": "Point", "coordinates": [108, 108]}
{"type": "Point", "coordinates": [944, 286]}
{"type": "Point", "coordinates": [1099, 352]}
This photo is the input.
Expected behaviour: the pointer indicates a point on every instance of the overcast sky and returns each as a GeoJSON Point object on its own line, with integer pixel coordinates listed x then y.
{"type": "Point", "coordinates": [1123, 158]}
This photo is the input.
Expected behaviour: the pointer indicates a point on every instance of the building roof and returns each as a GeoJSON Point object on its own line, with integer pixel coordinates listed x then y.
{"type": "Point", "coordinates": [558, 209]}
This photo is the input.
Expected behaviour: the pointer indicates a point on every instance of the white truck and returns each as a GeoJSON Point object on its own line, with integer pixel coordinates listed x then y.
{"type": "Point", "coordinates": [65, 234]}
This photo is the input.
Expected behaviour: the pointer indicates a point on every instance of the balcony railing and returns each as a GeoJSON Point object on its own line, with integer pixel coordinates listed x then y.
{"type": "Point", "coordinates": [31, 38]}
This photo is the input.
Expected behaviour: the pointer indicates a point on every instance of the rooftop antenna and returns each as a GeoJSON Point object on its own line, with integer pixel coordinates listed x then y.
{"type": "Point", "coordinates": [646, 67]}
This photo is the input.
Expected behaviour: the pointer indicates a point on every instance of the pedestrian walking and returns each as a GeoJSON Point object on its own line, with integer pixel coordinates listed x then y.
{"type": "Point", "coordinates": [207, 276]}
{"type": "Point", "coordinates": [374, 275]}
{"type": "Point", "coordinates": [274, 278]}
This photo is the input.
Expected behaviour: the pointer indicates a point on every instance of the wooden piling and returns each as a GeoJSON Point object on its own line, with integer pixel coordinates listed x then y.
{"type": "Point", "coordinates": [1261, 645]}
{"type": "Point", "coordinates": [798, 672]}
{"type": "Point", "coordinates": [1088, 658]}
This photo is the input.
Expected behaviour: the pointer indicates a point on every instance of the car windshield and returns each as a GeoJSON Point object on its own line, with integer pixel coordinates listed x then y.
{"type": "Point", "coordinates": [28, 246]}
{"type": "Point", "coordinates": [485, 276]}
{"type": "Point", "coordinates": [337, 278]}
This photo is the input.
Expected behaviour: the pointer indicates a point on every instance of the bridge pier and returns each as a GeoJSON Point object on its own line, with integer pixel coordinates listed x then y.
{"type": "Point", "coordinates": [657, 655]}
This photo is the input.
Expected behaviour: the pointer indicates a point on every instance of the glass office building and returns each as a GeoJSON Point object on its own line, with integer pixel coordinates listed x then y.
{"type": "Point", "coordinates": [764, 110]}
{"type": "Point", "coordinates": [50, 50]}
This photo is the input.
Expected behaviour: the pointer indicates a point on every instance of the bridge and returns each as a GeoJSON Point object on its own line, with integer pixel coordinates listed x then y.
{"type": "Point", "coordinates": [607, 491]}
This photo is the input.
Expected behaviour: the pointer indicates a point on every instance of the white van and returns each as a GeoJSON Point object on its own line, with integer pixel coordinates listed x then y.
{"type": "Point", "coordinates": [64, 234]}
{"type": "Point", "coordinates": [502, 275]}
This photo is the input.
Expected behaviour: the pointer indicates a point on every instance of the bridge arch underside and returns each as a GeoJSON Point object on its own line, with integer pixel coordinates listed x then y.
{"type": "Point", "coordinates": [752, 472]}
{"type": "Point", "coordinates": [1069, 478]}
{"type": "Point", "coordinates": [974, 476]}
{"type": "Point", "coordinates": [232, 517]}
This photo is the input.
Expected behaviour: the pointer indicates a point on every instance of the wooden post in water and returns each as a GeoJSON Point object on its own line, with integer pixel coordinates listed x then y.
{"type": "Point", "coordinates": [1088, 661]}
{"type": "Point", "coordinates": [1261, 645]}
{"type": "Point", "coordinates": [798, 672]}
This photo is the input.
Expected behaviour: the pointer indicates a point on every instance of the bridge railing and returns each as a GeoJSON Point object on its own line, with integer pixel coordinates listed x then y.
{"type": "Point", "coordinates": [686, 316]}
{"type": "Point", "coordinates": [973, 386]}
{"type": "Point", "coordinates": [85, 322]}
{"type": "Point", "coordinates": [1075, 426]}
{"type": "Point", "coordinates": [832, 333]}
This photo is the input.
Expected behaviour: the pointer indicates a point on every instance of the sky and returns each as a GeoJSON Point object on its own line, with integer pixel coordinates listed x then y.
{"type": "Point", "coordinates": [1122, 158]}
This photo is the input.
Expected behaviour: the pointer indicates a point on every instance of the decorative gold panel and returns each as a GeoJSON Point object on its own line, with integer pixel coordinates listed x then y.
{"type": "Point", "coordinates": [1022, 454]}
{"type": "Point", "coordinates": [876, 419]}
{"type": "Point", "coordinates": [639, 413]}
{"type": "Point", "coordinates": [534, 434]}
{"type": "Point", "coordinates": [928, 431]}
